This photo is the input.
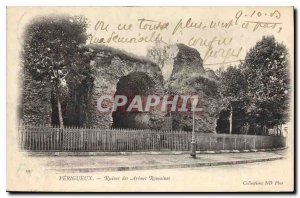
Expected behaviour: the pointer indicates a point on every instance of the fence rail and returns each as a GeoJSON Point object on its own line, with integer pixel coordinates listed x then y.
{"type": "Point", "coordinates": [47, 138]}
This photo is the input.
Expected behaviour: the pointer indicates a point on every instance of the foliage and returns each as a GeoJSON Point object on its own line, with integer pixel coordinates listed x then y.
{"type": "Point", "coordinates": [208, 86]}
{"type": "Point", "coordinates": [98, 48]}
{"type": "Point", "coordinates": [80, 84]}
{"type": "Point", "coordinates": [52, 53]}
{"type": "Point", "coordinates": [266, 71]}
{"type": "Point", "coordinates": [50, 46]}
{"type": "Point", "coordinates": [161, 54]}
{"type": "Point", "coordinates": [233, 85]}
{"type": "Point", "coordinates": [233, 89]}
{"type": "Point", "coordinates": [258, 88]}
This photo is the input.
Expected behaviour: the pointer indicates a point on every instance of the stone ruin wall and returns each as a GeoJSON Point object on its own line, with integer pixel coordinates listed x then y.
{"type": "Point", "coordinates": [189, 78]}
{"type": "Point", "coordinates": [108, 67]}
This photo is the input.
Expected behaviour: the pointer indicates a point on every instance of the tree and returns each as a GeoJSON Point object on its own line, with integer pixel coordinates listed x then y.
{"type": "Point", "coordinates": [80, 83]}
{"type": "Point", "coordinates": [50, 48]}
{"type": "Point", "coordinates": [161, 54]}
{"type": "Point", "coordinates": [266, 72]}
{"type": "Point", "coordinates": [220, 70]}
{"type": "Point", "coordinates": [233, 89]}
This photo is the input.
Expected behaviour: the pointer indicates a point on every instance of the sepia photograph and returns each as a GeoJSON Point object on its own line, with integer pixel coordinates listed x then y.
{"type": "Point", "coordinates": [150, 99]}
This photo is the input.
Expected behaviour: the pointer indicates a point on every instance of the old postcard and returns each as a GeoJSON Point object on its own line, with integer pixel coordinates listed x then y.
{"type": "Point", "coordinates": [150, 99]}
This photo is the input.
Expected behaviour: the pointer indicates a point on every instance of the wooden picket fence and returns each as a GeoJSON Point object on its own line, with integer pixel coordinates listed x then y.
{"type": "Point", "coordinates": [49, 138]}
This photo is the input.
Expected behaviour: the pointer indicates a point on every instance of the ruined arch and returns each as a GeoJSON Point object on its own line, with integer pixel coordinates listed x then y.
{"type": "Point", "coordinates": [109, 67]}
{"type": "Point", "coordinates": [135, 83]}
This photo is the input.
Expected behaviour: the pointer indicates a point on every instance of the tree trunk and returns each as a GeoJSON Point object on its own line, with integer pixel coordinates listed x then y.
{"type": "Point", "coordinates": [230, 120]}
{"type": "Point", "coordinates": [61, 122]}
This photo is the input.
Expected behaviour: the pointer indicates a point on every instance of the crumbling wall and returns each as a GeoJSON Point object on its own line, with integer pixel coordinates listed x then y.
{"type": "Point", "coordinates": [189, 78]}
{"type": "Point", "coordinates": [187, 60]}
{"type": "Point", "coordinates": [109, 65]}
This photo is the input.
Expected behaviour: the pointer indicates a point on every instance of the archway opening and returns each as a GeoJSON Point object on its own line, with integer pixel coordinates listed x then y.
{"type": "Point", "coordinates": [136, 83]}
